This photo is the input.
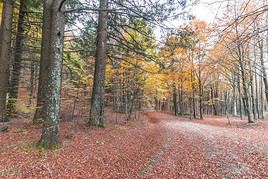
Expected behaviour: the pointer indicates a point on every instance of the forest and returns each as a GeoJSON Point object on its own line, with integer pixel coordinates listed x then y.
{"type": "Point", "coordinates": [133, 89]}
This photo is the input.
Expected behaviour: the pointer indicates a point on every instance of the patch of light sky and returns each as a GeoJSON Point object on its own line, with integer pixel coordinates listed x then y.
{"type": "Point", "coordinates": [206, 10]}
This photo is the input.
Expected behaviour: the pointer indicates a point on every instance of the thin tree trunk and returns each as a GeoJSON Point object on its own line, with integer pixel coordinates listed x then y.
{"type": "Point", "coordinates": [181, 98]}
{"type": "Point", "coordinates": [240, 97]}
{"type": "Point", "coordinates": [200, 98]}
{"type": "Point", "coordinates": [264, 74]}
{"type": "Point", "coordinates": [5, 50]}
{"type": "Point", "coordinates": [257, 95]}
{"type": "Point", "coordinates": [252, 90]}
{"type": "Point", "coordinates": [234, 96]}
{"type": "Point", "coordinates": [261, 99]}
{"type": "Point", "coordinates": [97, 103]}
{"type": "Point", "coordinates": [214, 105]}
{"type": "Point", "coordinates": [193, 95]}
{"type": "Point", "coordinates": [256, 84]}
{"type": "Point", "coordinates": [174, 93]}
{"type": "Point", "coordinates": [200, 87]}
{"type": "Point", "coordinates": [31, 82]}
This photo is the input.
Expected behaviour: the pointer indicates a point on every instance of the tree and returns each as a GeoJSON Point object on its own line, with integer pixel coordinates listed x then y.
{"type": "Point", "coordinates": [52, 50]}
{"type": "Point", "coordinates": [15, 75]}
{"type": "Point", "coordinates": [5, 49]}
{"type": "Point", "coordinates": [97, 102]}
{"type": "Point", "coordinates": [110, 18]}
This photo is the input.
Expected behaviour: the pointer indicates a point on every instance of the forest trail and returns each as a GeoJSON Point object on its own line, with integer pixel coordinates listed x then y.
{"type": "Point", "coordinates": [204, 149]}
{"type": "Point", "coordinates": [158, 145]}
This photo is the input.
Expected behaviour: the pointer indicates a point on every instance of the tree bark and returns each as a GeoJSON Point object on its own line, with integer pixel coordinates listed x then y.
{"type": "Point", "coordinates": [181, 98]}
{"type": "Point", "coordinates": [252, 89]}
{"type": "Point", "coordinates": [193, 110]}
{"type": "Point", "coordinates": [234, 96]}
{"type": "Point", "coordinates": [15, 75]}
{"type": "Point", "coordinates": [244, 84]}
{"type": "Point", "coordinates": [52, 86]}
{"type": "Point", "coordinates": [200, 93]}
{"type": "Point", "coordinates": [261, 100]}
{"type": "Point", "coordinates": [214, 94]}
{"type": "Point", "coordinates": [97, 101]}
{"type": "Point", "coordinates": [5, 49]}
{"type": "Point", "coordinates": [256, 84]}
{"type": "Point", "coordinates": [175, 106]}
{"type": "Point", "coordinates": [44, 63]}
{"type": "Point", "coordinates": [240, 97]}
{"type": "Point", "coordinates": [264, 74]}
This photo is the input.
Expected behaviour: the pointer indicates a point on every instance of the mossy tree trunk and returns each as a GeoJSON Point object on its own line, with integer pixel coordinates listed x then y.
{"type": "Point", "coordinates": [52, 85]}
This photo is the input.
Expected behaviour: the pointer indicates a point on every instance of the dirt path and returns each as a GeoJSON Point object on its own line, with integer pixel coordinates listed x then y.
{"type": "Point", "coordinates": [156, 146]}
{"type": "Point", "coordinates": [199, 150]}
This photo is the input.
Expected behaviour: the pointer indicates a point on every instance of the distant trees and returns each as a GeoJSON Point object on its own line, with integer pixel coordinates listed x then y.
{"type": "Point", "coordinates": [128, 69]}
{"type": "Point", "coordinates": [228, 73]}
{"type": "Point", "coordinates": [112, 23]}
{"type": "Point", "coordinates": [184, 56]}
{"type": "Point", "coordinates": [239, 41]}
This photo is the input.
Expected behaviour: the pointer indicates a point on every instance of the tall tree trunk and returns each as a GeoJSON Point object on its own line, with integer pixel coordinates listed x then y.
{"type": "Point", "coordinates": [240, 97]}
{"type": "Point", "coordinates": [15, 75]}
{"type": "Point", "coordinates": [244, 84]}
{"type": "Point", "coordinates": [234, 96]}
{"type": "Point", "coordinates": [52, 86]}
{"type": "Point", "coordinates": [44, 63]}
{"type": "Point", "coordinates": [214, 95]}
{"type": "Point", "coordinates": [257, 95]}
{"type": "Point", "coordinates": [200, 91]}
{"type": "Point", "coordinates": [252, 90]}
{"type": "Point", "coordinates": [200, 87]}
{"type": "Point", "coordinates": [193, 103]}
{"type": "Point", "coordinates": [31, 82]}
{"type": "Point", "coordinates": [5, 50]}
{"type": "Point", "coordinates": [256, 84]}
{"type": "Point", "coordinates": [97, 101]}
{"type": "Point", "coordinates": [261, 99]}
{"type": "Point", "coordinates": [264, 74]}
{"type": "Point", "coordinates": [181, 98]}
{"type": "Point", "coordinates": [174, 93]}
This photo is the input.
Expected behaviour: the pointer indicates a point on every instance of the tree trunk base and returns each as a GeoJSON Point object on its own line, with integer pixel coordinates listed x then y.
{"type": "Point", "coordinates": [4, 119]}
{"type": "Point", "coordinates": [50, 138]}
{"type": "Point", "coordinates": [4, 129]}
{"type": "Point", "coordinates": [95, 123]}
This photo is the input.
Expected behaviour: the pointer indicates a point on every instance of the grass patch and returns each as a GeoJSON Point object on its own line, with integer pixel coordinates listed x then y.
{"type": "Point", "coordinates": [9, 171]}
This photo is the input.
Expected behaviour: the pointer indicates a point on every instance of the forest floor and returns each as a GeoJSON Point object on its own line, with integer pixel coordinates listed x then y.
{"type": "Point", "coordinates": [158, 145]}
